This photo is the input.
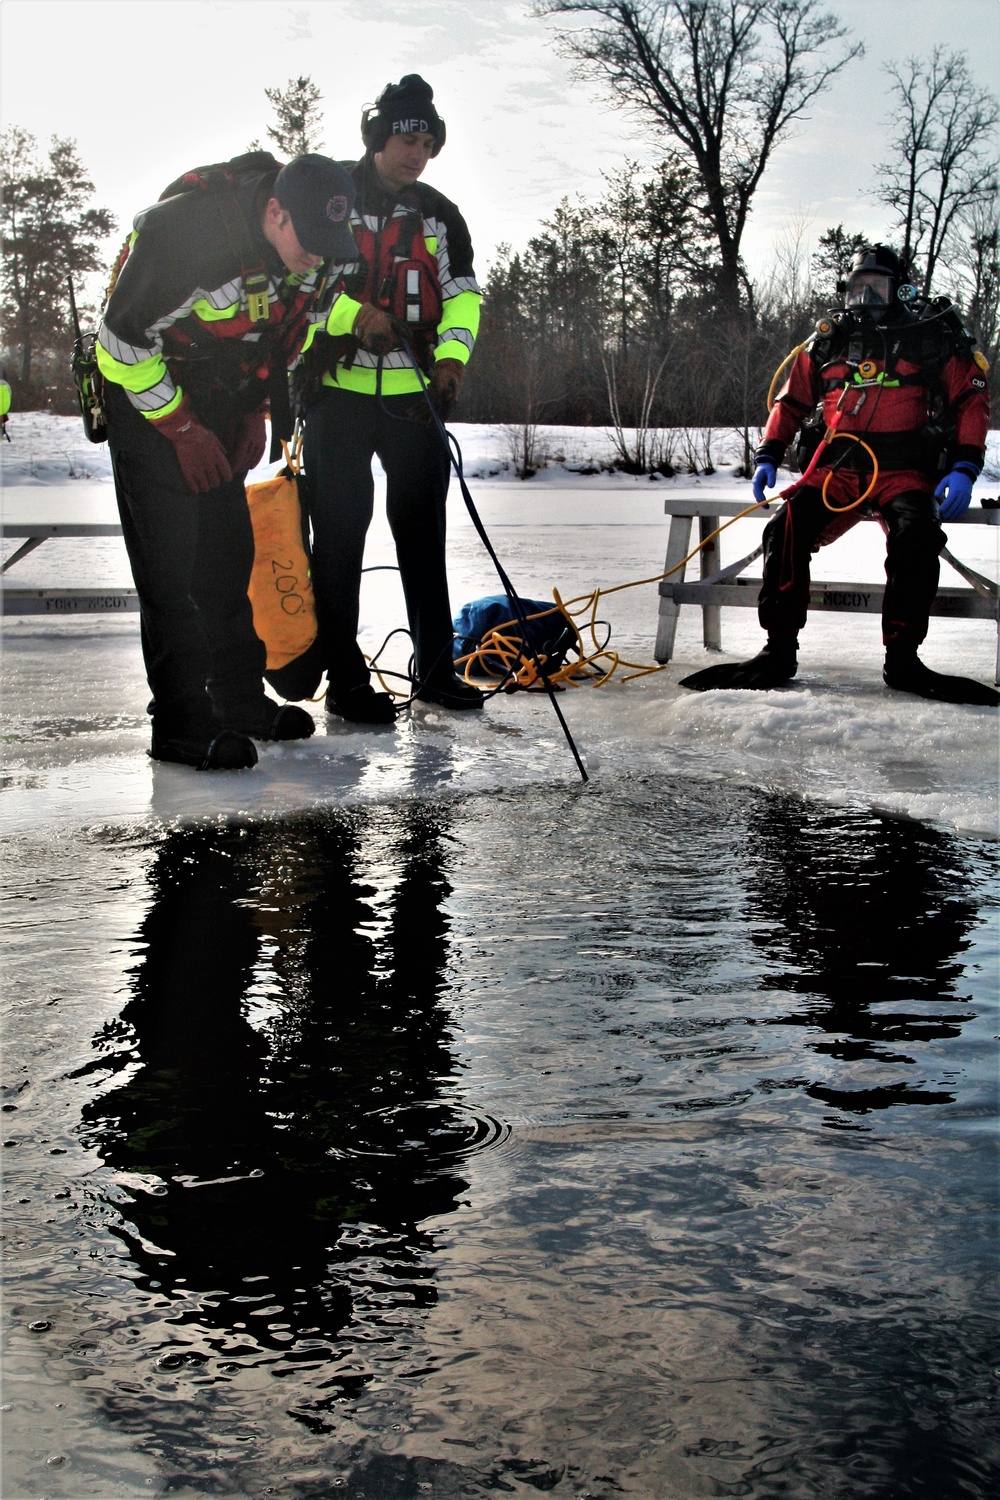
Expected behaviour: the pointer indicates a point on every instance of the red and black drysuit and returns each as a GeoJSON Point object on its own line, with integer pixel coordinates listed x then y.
{"type": "Point", "coordinates": [912, 389]}
{"type": "Point", "coordinates": [367, 404]}
{"type": "Point", "coordinates": [178, 325]}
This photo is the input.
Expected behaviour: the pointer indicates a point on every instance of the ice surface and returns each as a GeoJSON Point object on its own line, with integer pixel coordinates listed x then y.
{"type": "Point", "coordinates": [74, 700]}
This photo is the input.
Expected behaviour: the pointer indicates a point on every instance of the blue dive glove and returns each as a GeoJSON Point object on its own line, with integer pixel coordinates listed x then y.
{"type": "Point", "coordinates": [765, 476]}
{"type": "Point", "coordinates": [955, 492]}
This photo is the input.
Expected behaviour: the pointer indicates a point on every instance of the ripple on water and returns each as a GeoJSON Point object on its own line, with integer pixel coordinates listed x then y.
{"type": "Point", "coordinates": [455, 1129]}
{"type": "Point", "coordinates": [625, 1139]}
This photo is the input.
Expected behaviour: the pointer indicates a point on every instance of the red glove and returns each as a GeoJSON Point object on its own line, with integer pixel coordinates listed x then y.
{"type": "Point", "coordinates": [246, 441]}
{"type": "Point", "coordinates": [201, 456]}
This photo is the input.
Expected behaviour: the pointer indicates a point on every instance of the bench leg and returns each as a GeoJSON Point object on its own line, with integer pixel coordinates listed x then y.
{"type": "Point", "coordinates": [711, 562]}
{"type": "Point", "coordinates": [22, 551]}
{"type": "Point", "coordinates": [678, 547]}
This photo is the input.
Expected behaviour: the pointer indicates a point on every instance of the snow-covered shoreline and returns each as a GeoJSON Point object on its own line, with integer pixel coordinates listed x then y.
{"type": "Point", "coordinates": [74, 697]}
{"type": "Point", "coordinates": [48, 449]}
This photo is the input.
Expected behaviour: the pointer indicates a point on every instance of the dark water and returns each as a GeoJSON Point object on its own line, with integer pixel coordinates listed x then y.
{"type": "Point", "coordinates": [634, 1141]}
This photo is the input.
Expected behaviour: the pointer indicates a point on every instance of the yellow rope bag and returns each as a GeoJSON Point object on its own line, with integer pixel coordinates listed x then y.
{"type": "Point", "coordinates": [284, 609]}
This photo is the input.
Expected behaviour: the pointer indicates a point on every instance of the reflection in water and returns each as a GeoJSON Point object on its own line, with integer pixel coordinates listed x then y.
{"type": "Point", "coordinates": [289, 1136]}
{"type": "Point", "coordinates": [872, 916]}
{"type": "Point", "coordinates": [673, 1278]}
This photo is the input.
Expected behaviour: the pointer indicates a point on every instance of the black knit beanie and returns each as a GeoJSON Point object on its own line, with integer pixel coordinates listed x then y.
{"type": "Point", "coordinates": [403, 108]}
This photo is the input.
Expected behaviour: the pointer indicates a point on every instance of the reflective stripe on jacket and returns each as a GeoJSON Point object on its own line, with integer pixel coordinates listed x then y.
{"type": "Point", "coordinates": [447, 246]}
{"type": "Point", "coordinates": [178, 320]}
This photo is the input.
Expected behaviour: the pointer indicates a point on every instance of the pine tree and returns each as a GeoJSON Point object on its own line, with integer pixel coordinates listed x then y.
{"type": "Point", "coordinates": [48, 235]}
{"type": "Point", "coordinates": [832, 261]}
{"type": "Point", "coordinates": [299, 126]}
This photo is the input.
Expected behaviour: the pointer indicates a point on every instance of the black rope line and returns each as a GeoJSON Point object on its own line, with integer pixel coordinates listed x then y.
{"type": "Point", "coordinates": [454, 452]}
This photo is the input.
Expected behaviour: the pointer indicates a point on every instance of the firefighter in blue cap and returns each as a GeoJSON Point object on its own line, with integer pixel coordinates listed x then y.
{"type": "Point", "coordinates": [218, 289]}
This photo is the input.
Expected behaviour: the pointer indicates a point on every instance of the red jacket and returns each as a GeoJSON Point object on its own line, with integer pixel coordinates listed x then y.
{"type": "Point", "coordinates": [913, 389]}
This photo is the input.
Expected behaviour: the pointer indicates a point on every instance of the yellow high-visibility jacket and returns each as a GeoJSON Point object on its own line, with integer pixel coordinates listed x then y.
{"type": "Point", "coordinates": [440, 248]}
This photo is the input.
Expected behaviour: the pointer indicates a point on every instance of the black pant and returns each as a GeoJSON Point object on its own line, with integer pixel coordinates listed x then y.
{"type": "Point", "coordinates": [343, 430]}
{"type": "Point", "coordinates": [191, 558]}
{"type": "Point", "coordinates": [913, 540]}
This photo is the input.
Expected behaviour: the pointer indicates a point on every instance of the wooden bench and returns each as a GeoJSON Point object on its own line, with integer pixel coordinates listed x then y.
{"type": "Point", "coordinates": [715, 589]}
{"type": "Point", "coordinates": [719, 588]}
{"type": "Point", "coordinates": [62, 602]}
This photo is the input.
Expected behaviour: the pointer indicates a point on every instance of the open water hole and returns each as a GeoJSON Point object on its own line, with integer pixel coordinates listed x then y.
{"type": "Point", "coordinates": [635, 1139]}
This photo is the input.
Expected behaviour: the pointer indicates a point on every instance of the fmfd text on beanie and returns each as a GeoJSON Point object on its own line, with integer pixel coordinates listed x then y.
{"type": "Point", "coordinates": [403, 108]}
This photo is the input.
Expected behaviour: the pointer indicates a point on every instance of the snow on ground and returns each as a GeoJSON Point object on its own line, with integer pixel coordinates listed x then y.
{"type": "Point", "coordinates": [74, 692]}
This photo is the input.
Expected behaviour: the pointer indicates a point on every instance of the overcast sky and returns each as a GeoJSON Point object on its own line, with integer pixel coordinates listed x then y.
{"type": "Point", "coordinates": [150, 87]}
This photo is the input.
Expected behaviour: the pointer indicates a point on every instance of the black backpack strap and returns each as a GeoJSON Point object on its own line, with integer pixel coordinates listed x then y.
{"type": "Point", "coordinates": [280, 403]}
{"type": "Point", "coordinates": [253, 271]}
{"type": "Point", "coordinates": [412, 225]}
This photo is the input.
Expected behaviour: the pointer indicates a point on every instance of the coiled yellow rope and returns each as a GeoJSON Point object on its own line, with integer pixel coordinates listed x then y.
{"type": "Point", "coordinates": [599, 664]}
{"type": "Point", "coordinates": [596, 665]}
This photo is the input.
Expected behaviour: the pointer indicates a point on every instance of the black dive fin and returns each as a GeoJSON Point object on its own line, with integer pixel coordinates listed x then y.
{"type": "Point", "coordinates": [759, 673]}
{"type": "Point", "coordinates": [719, 676]}
{"type": "Point", "coordinates": [940, 688]}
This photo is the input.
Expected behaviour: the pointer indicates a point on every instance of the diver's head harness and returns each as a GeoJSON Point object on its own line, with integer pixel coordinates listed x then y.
{"type": "Point", "coordinates": [876, 282]}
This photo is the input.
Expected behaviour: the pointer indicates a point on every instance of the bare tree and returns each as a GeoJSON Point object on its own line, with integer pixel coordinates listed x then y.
{"type": "Point", "coordinates": [641, 449]}
{"type": "Point", "coordinates": [724, 78]}
{"type": "Point", "coordinates": [975, 276]}
{"type": "Point", "coordinates": [299, 124]}
{"type": "Point", "coordinates": [945, 156]}
{"type": "Point", "coordinates": [786, 291]}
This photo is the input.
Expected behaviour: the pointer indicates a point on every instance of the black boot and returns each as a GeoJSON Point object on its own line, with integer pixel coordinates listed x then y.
{"type": "Point", "coordinates": [449, 690]}
{"type": "Point", "coordinates": [225, 751]}
{"type": "Point", "coordinates": [905, 672]}
{"type": "Point", "coordinates": [776, 664]}
{"type": "Point", "coordinates": [267, 720]}
{"type": "Point", "coordinates": [361, 704]}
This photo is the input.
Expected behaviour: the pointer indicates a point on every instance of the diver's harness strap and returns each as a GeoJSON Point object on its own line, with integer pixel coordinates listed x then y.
{"type": "Point", "coordinates": [923, 451]}
{"type": "Point", "coordinates": [934, 337]}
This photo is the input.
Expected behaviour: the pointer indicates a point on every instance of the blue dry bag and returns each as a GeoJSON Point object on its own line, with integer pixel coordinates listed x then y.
{"type": "Point", "coordinates": [551, 637]}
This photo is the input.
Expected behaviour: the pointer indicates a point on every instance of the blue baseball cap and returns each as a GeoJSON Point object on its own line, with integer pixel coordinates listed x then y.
{"type": "Point", "coordinates": [319, 195]}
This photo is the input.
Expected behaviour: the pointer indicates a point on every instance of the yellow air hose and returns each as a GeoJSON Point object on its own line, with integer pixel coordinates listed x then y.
{"type": "Point", "coordinates": [850, 437]}
{"type": "Point", "coordinates": [829, 437]}
{"type": "Point", "coordinates": [596, 666]}
{"type": "Point", "coordinates": [599, 665]}
{"type": "Point", "coordinates": [776, 378]}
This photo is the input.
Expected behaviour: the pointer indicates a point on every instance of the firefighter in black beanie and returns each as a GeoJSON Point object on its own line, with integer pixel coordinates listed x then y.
{"type": "Point", "coordinates": [415, 269]}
